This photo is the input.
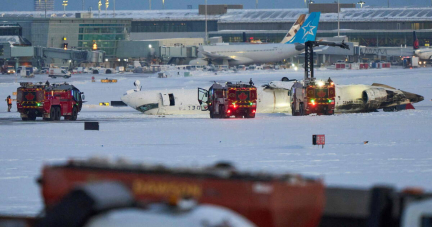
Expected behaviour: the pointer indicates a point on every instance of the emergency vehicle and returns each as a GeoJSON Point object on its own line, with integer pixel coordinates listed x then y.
{"type": "Point", "coordinates": [224, 101]}
{"type": "Point", "coordinates": [102, 193]}
{"type": "Point", "coordinates": [49, 101]}
{"type": "Point", "coordinates": [314, 97]}
{"type": "Point", "coordinates": [267, 200]}
{"type": "Point", "coordinates": [310, 96]}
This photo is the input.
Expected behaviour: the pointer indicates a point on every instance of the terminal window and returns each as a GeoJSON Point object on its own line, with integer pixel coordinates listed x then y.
{"type": "Point", "coordinates": [173, 26]}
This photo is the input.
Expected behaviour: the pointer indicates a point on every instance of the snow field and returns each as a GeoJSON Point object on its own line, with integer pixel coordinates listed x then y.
{"type": "Point", "coordinates": [398, 152]}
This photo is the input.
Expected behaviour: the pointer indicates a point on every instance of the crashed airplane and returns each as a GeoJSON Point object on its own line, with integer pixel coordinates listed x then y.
{"type": "Point", "coordinates": [274, 97]}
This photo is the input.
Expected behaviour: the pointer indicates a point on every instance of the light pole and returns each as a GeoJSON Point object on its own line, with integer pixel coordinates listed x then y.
{"type": "Point", "coordinates": [256, 4]}
{"type": "Point", "coordinates": [45, 7]}
{"type": "Point", "coordinates": [65, 3]}
{"type": "Point", "coordinates": [106, 6]}
{"type": "Point", "coordinates": [99, 6]}
{"type": "Point", "coordinates": [338, 19]}
{"type": "Point", "coordinates": [150, 4]}
{"type": "Point", "coordinates": [205, 21]}
{"type": "Point", "coordinates": [361, 3]}
{"type": "Point", "coordinates": [163, 4]}
{"type": "Point", "coordinates": [114, 9]}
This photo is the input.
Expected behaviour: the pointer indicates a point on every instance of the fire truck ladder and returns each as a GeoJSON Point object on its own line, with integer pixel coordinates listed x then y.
{"type": "Point", "coordinates": [309, 45]}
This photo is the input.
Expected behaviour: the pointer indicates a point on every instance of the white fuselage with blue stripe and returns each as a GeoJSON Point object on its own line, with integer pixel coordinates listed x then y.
{"type": "Point", "coordinates": [265, 53]}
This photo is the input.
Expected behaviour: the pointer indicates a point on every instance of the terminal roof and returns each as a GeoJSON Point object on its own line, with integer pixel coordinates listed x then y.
{"type": "Point", "coordinates": [245, 15]}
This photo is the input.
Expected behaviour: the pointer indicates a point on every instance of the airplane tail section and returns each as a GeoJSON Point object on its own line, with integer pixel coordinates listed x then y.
{"type": "Point", "coordinates": [294, 29]}
{"type": "Point", "coordinates": [308, 30]}
{"type": "Point", "coordinates": [416, 42]}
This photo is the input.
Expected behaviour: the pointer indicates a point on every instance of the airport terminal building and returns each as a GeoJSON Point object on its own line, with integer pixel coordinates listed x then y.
{"type": "Point", "coordinates": [375, 27]}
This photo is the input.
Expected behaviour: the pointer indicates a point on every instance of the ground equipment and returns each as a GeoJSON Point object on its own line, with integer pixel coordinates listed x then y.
{"type": "Point", "coordinates": [98, 192]}
{"type": "Point", "coordinates": [270, 200]}
{"type": "Point", "coordinates": [10, 70]}
{"type": "Point", "coordinates": [224, 101]}
{"type": "Point", "coordinates": [48, 101]}
{"type": "Point", "coordinates": [310, 96]}
{"type": "Point", "coordinates": [58, 72]}
{"type": "Point", "coordinates": [411, 62]}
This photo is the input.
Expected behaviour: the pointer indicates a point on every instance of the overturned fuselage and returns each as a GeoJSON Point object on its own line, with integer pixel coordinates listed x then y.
{"type": "Point", "coordinates": [274, 97]}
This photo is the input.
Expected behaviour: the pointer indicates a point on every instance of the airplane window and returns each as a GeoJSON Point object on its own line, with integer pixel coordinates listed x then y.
{"type": "Point", "coordinates": [147, 107]}
{"type": "Point", "coordinates": [172, 100]}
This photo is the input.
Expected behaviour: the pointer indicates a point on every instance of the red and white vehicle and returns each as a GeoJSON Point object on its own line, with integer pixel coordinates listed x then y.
{"type": "Point", "coordinates": [316, 97]}
{"type": "Point", "coordinates": [49, 101]}
{"type": "Point", "coordinates": [224, 101]}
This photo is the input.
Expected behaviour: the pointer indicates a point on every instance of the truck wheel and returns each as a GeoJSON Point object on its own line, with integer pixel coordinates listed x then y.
{"type": "Point", "coordinates": [52, 114]}
{"type": "Point", "coordinates": [74, 114]}
{"type": "Point", "coordinates": [58, 114]}
{"type": "Point", "coordinates": [24, 119]}
{"type": "Point", "coordinates": [301, 112]}
{"type": "Point", "coordinates": [222, 112]}
{"type": "Point", "coordinates": [32, 117]}
{"type": "Point", "coordinates": [249, 115]}
{"type": "Point", "coordinates": [213, 115]}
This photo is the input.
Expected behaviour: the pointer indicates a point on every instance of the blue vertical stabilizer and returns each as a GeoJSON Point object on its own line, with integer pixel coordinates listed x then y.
{"type": "Point", "coordinates": [308, 30]}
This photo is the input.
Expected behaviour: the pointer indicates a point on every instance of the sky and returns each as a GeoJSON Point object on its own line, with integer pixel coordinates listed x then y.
{"type": "Point", "coordinates": [27, 5]}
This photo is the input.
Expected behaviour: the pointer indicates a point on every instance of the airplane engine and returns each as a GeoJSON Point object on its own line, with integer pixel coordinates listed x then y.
{"type": "Point", "coordinates": [374, 97]}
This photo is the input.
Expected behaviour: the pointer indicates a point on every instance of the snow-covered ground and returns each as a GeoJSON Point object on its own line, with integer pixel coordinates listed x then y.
{"type": "Point", "coordinates": [399, 152]}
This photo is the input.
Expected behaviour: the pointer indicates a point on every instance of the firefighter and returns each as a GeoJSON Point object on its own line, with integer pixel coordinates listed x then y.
{"type": "Point", "coordinates": [251, 83]}
{"type": "Point", "coordinates": [9, 103]}
{"type": "Point", "coordinates": [47, 83]}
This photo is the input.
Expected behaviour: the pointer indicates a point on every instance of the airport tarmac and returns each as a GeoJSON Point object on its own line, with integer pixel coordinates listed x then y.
{"type": "Point", "coordinates": [398, 152]}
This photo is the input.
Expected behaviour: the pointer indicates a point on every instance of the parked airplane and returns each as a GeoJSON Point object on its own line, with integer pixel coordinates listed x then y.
{"type": "Point", "coordinates": [292, 45]}
{"type": "Point", "coordinates": [273, 97]}
{"type": "Point", "coordinates": [422, 53]}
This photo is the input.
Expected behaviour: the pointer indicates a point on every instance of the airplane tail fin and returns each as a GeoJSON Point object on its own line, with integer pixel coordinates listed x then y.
{"type": "Point", "coordinates": [308, 30]}
{"type": "Point", "coordinates": [416, 42]}
{"type": "Point", "coordinates": [294, 29]}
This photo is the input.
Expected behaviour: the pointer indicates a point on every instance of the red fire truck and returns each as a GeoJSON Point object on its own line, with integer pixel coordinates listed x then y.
{"type": "Point", "coordinates": [311, 96]}
{"type": "Point", "coordinates": [49, 101]}
{"type": "Point", "coordinates": [319, 98]}
{"type": "Point", "coordinates": [224, 101]}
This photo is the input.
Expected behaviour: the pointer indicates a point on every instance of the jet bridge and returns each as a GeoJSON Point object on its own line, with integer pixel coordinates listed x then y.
{"type": "Point", "coordinates": [46, 54]}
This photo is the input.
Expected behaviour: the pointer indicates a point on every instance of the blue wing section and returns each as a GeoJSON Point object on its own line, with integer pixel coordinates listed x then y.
{"type": "Point", "coordinates": [308, 30]}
